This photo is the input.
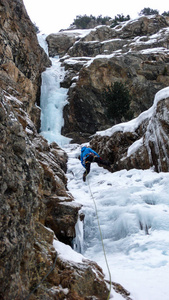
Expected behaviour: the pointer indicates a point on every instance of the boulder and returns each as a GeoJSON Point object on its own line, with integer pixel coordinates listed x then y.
{"type": "Point", "coordinates": [62, 217]}
{"type": "Point", "coordinates": [59, 43]}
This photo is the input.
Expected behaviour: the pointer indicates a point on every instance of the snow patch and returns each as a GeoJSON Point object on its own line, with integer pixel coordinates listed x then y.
{"type": "Point", "coordinates": [134, 147]}
{"type": "Point", "coordinates": [66, 253]}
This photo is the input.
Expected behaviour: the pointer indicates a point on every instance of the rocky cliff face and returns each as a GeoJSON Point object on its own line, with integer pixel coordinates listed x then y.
{"type": "Point", "coordinates": [33, 196]}
{"type": "Point", "coordinates": [141, 143]}
{"type": "Point", "coordinates": [36, 207]}
{"type": "Point", "coordinates": [134, 52]}
{"type": "Point", "coordinates": [19, 50]}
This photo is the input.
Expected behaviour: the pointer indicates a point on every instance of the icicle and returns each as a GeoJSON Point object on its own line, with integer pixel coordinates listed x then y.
{"type": "Point", "coordinates": [78, 240]}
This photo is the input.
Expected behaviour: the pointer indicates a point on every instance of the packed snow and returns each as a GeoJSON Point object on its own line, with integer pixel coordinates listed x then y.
{"type": "Point", "coordinates": [66, 252]}
{"type": "Point", "coordinates": [133, 211]}
{"type": "Point", "coordinates": [133, 206]}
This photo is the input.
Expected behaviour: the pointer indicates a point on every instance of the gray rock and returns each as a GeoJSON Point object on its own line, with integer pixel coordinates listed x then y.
{"type": "Point", "coordinates": [134, 53]}
{"type": "Point", "coordinates": [152, 151]}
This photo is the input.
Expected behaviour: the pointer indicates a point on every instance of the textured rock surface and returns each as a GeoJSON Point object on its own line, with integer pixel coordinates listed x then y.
{"type": "Point", "coordinates": [33, 195]}
{"type": "Point", "coordinates": [151, 137]}
{"type": "Point", "coordinates": [156, 137]}
{"type": "Point", "coordinates": [19, 50]}
{"type": "Point", "coordinates": [135, 53]}
{"type": "Point", "coordinates": [59, 43]}
{"type": "Point", "coordinates": [33, 192]}
{"type": "Point", "coordinates": [142, 72]}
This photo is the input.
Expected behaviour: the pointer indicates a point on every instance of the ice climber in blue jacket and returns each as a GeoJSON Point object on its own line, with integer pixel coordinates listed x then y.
{"type": "Point", "coordinates": [88, 156]}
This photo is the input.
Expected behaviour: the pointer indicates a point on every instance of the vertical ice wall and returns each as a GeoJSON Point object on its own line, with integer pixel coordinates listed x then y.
{"type": "Point", "coordinates": [53, 99]}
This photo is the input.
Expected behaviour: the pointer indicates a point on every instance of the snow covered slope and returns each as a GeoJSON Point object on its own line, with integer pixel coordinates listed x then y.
{"type": "Point", "coordinates": [133, 209]}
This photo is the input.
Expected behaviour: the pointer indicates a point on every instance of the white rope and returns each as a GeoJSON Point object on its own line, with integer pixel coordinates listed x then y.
{"type": "Point", "coordinates": [91, 194]}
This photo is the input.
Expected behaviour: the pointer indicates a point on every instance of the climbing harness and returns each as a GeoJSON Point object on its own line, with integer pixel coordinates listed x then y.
{"type": "Point", "coordinates": [101, 236]}
{"type": "Point", "coordinates": [42, 279]}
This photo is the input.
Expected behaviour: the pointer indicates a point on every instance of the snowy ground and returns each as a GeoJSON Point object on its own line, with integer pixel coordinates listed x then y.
{"type": "Point", "coordinates": [133, 209]}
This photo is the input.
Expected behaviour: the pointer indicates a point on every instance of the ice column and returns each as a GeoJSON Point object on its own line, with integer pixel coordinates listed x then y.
{"type": "Point", "coordinates": [53, 99]}
{"type": "Point", "coordinates": [78, 240]}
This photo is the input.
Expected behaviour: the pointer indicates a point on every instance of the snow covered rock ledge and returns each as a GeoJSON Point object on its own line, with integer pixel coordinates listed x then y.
{"type": "Point", "coordinates": [140, 143]}
{"type": "Point", "coordinates": [82, 278]}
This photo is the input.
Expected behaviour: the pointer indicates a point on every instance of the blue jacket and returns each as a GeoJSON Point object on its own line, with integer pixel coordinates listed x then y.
{"type": "Point", "coordinates": [85, 152]}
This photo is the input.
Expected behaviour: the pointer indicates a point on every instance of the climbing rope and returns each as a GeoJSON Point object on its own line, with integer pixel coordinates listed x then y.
{"type": "Point", "coordinates": [101, 236]}
{"type": "Point", "coordinates": [42, 279]}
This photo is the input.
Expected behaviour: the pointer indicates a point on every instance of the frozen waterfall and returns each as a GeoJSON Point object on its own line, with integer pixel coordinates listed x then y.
{"type": "Point", "coordinates": [53, 99]}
